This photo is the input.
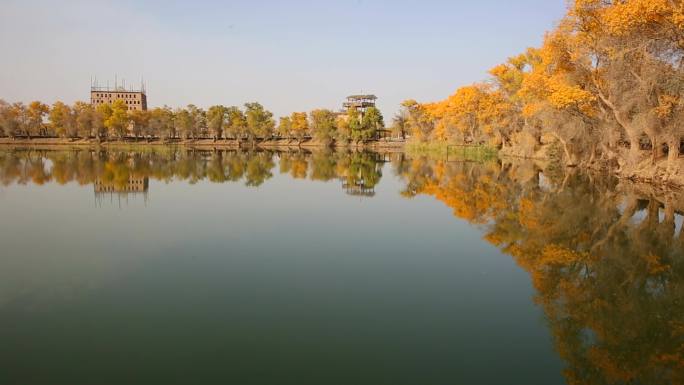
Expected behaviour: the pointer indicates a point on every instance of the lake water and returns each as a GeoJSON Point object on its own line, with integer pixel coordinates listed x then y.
{"type": "Point", "coordinates": [178, 266]}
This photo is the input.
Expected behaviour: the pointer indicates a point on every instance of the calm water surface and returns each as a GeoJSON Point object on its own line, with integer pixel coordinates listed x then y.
{"type": "Point", "coordinates": [173, 266]}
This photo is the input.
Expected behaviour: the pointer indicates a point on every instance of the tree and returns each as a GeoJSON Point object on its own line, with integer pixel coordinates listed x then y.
{"type": "Point", "coordinates": [419, 122]}
{"type": "Point", "coordinates": [84, 115]}
{"type": "Point", "coordinates": [36, 113]}
{"type": "Point", "coordinates": [300, 125]}
{"type": "Point", "coordinates": [609, 76]}
{"type": "Point", "coordinates": [118, 121]}
{"type": "Point", "coordinates": [284, 127]}
{"type": "Point", "coordinates": [62, 120]}
{"type": "Point", "coordinates": [323, 126]}
{"type": "Point", "coordinates": [162, 123]}
{"type": "Point", "coordinates": [102, 113]}
{"type": "Point", "coordinates": [371, 122]}
{"type": "Point", "coordinates": [400, 124]}
{"type": "Point", "coordinates": [184, 122]}
{"type": "Point", "coordinates": [342, 129]}
{"type": "Point", "coordinates": [198, 117]}
{"type": "Point", "coordinates": [237, 123]}
{"type": "Point", "coordinates": [140, 120]}
{"type": "Point", "coordinates": [260, 123]}
{"type": "Point", "coordinates": [217, 117]}
{"type": "Point", "coordinates": [10, 118]}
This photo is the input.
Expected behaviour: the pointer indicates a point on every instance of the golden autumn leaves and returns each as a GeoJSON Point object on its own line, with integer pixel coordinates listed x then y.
{"type": "Point", "coordinates": [607, 84]}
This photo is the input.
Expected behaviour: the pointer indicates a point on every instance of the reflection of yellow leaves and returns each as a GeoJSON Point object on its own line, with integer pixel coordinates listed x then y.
{"type": "Point", "coordinates": [299, 169]}
{"type": "Point", "coordinates": [514, 250]}
{"type": "Point", "coordinates": [572, 378]}
{"type": "Point", "coordinates": [526, 216]}
{"type": "Point", "coordinates": [673, 358]}
{"type": "Point", "coordinates": [557, 255]}
{"type": "Point", "coordinates": [677, 328]}
{"type": "Point", "coordinates": [655, 266]}
{"type": "Point", "coordinates": [602, 359]}
{"type": "Point", "coordinates": [494, 238]}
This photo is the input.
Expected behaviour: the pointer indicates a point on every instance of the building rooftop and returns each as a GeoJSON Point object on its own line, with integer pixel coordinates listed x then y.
{"type": "Point", "coordinates": [360, 97]}
{"type": "Point", "coordinates": [116, 89]}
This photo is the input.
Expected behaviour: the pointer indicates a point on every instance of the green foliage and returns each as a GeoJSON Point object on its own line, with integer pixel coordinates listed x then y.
{"type": "Point", "coordinates": [217, 118]}
{"type": "Point", "coordinates": [260, 123]}
{"type": "Point", "coordinates": [445, 150]}
{"type": "Point", "coordinates": [237, 123]}
{"type": "Point", "coordinates": [254, 122]}
{"type": "Point", "coordinates": [117, 122]}
{"type": "Point", "coordinates": [62, 120]}
{"type": "Point", "coordinates": [85, 119]}
{"type": "Point", "coordinates": [323, 125]}
{"type": "Point", "coordinates": [284, 126]}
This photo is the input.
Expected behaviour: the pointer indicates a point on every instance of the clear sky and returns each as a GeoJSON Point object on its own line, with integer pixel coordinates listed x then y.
{"type": "Point", "coordinates": [288, 55]}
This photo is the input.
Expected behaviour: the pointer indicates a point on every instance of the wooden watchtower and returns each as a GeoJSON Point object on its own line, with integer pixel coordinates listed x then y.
{"type": "Point", "coordinates": [360, 102]}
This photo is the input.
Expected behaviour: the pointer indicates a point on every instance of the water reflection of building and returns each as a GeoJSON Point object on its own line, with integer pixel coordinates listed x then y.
{"type": "Point", "coordinates": [134, 187]}
{"type": "Point", "coordinates": [358, 187]}
{"type": "Point", "coordinates": [363, 173]}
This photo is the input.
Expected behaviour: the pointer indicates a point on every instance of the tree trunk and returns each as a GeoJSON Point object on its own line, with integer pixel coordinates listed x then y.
{"type": "Point", "coordinates": [592, 154]}
{"type": "Point", "coordinates": [652, 216]}
{"type": "Point", "coordinates": [656, 148]}
{"type": "Point", "coordinates": [570, 159]}
{"type": "Point", "coordinates": [672, 153]}
{"type": "Point", "coordinates": [634, 148]}
{"type": "Point", "coordinates": [667, 227]}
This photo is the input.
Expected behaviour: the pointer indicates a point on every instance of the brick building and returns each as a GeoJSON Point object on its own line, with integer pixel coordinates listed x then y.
{"type": "Point", "coordinates": [134, 99]}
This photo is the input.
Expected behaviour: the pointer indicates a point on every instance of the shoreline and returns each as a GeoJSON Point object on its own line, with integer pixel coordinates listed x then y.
{"type": "Point", "coordinates": [653, 175]}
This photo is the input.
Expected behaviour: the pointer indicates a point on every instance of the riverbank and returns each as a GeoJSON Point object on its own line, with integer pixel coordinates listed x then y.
{"type": "Point", "coordinates": [658, 173]}
{"type": "Point", "coordinates": [661, 171]}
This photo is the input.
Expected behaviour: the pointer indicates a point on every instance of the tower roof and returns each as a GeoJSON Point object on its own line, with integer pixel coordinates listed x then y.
{"type": "Point", "coordinates": [353, 97]}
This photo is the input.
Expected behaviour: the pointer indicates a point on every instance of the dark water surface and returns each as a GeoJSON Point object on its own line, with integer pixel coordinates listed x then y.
{"type": "Point", "coordinates": [172, 266]}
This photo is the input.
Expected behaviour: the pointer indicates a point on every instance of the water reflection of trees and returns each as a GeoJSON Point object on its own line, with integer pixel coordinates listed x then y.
{"type": "Point", "coordinates": [606, 259]}
{"type": "Point", "coordinates": [118, 168]}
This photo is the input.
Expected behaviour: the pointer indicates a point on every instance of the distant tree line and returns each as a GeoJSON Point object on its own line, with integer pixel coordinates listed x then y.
{"type": "Point", "coordinates": [251, 123]}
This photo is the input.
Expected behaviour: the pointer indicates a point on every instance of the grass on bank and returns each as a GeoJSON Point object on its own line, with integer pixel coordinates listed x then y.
{"type": "Point", "coordinates": [451, 151]}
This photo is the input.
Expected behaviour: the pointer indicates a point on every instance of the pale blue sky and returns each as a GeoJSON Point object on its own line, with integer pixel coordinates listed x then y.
{"type": "Point", "coordinates": [288, 55]}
